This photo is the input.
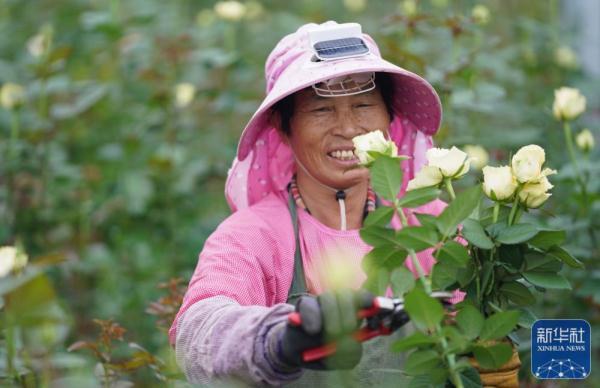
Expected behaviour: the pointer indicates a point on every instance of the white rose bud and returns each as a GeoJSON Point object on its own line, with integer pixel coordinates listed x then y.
{"type": "Point", "coordinates": [568, 103]}
{"type": "Point", "coordinates": [499, 183]}
{"type": "Point", "coordinates": [373, 141]}
{"type": "Point", "coordinates": [565, 57]}
{"type": "Point", "coordinates": [11, 95]}
{"type": "Point", "coordinates": [184, 94]}
{"type": "Point", "coordinates": [480, 14]}
{"type": "Point", "coordinates": [478, 155]}
{"type": "Point", "coordinates": [453, 163]}
{"type": "Point", "coordinates": [527, 164]}
{"type": "Point", "coordinates": [533, 195]}
{"type": "Point", "coordinates": [355, 5]}
{"type": "Point", "coordinates": [11, 259]}
{"type": "Point", "coordinates": [428, 176]}
{"type": "Point", "coordinates": [254, 10]}
{"type": "Point", "coordinates": [38, 45]}
{"type": "Point", "coordinates": [585, 140]}
{"type": "Point", "coordinates": [230, 10]}
{"type": "Point", "coordinates": [408, 7]}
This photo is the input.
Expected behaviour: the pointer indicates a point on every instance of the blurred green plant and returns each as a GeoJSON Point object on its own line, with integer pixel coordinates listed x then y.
{"type": "Point", "coordinates": [107, 162]}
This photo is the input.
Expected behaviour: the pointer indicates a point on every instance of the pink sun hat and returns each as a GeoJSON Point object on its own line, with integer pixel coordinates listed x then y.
{"type": "Point", "coordinates": [265, 164]}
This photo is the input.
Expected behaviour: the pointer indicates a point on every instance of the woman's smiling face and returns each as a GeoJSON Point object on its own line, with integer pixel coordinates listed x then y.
{"type": "Point", "coordinates": [322, 129]}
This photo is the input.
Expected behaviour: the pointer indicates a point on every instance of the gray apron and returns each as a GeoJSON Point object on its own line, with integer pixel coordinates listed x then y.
{"type": "Point", "coordinates": [378, 366]}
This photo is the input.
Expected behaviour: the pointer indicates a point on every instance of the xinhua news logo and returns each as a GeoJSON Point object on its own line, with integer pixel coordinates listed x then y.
{"type": "Point", "coordinates": [561, 349]}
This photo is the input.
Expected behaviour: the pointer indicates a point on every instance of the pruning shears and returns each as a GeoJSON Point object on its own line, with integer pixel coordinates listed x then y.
{"type": "Point", "coordinates": [383, 317]}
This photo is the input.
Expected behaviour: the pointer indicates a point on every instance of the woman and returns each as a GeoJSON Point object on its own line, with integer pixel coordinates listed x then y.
{"type": "Point", "coordinates": [296, 193]}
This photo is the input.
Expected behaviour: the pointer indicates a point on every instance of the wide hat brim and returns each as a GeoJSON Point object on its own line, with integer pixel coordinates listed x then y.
{"type": "Point", "coordinates": [414, 98]}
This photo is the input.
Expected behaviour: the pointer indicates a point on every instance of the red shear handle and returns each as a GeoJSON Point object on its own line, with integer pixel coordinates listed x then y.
{"type": "Point", "coordinates": [327, 350]}
{"type": "Point", "coordinates": [364, 334]}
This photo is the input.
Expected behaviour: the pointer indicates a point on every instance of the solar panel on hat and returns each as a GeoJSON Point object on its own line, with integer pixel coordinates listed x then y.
{"type": "Point", "coordinates": [340, 48]}
{"type": "Point", "coordinates": [337, 41]}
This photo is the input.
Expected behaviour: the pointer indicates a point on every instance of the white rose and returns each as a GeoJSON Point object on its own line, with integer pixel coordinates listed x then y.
{"type": "Point", "coordinates": [355, 5]}
{"type": "Point", "coordinates": [373, 141]}
{"type": "Point", "coordinates": [585, 140]}
{"type": "Point", "coordinates": [230, 10]}
{"type": "Point", "coordinates": [527, 164]}
{"type": "Point", "coordinates": [38, 45]}
{"type": "Point", "coordinates": [565, 57]}
{"type": "Point", "coordinates": [408, 7]}
{"type": "Point", "coordinates": [184, 94]}
{"type": "Point", "coordinates": [478, 155]}
{"type": "Point", "coordinates": [499, 183]}
{"type": "Point", "coordinates": [254, 10]}
{"type": "Point", "coordinates": [568, 103]}
{"type": "Point", "coordinates": [533, 195]}
{"type": "Point", "coordinates": [440, 3]}
{"type": "Point", "coordinates": [452, 163]}
{"type": "Point", "coordinates": [480, 14]}
{"type": "Point", "coordinates": [11, 95]}
{"type": "Point", "coordinates": [428, 176]}
{"type": "Point", "coordinates": [11, 259]}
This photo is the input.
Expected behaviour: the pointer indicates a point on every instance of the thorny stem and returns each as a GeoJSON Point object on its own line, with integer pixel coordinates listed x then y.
{"type": "Point", "coordinates": [412, 253]}
{"type": "Point", "coordinates": [514, 208]}
{"type": "Point", "coordinates": [571, 149]}
{"type": "Point", "coordinates": [450, 358]}
{"type": "Point", "coordinates": [496, 212]}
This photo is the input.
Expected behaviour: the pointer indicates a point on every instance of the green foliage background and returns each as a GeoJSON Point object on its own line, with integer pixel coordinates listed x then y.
{"type": "Point", "coordinates": [108, 175]}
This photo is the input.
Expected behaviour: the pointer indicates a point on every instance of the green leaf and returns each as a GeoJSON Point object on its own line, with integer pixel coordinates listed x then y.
{"type": "Point", "coordinates": [457, 341]}
{"type": "Point", "coordinates": [547, 280]}
{"type": "Point", "coordinates": [526, 318]}
{"type": "Point", "coordinates": [454, 253]}
{"type": "Point", "coordinates": [487, 276]}
{"type": "Point", "coordinates": [512, 255]}
{"type": "Point", "coordinates": [517, 293]}
{"type": "Point", "coordinates": [425, 312]}
{"type": "Point", "coordinates": [402, 280]}
{"type": "Point", "coordinates": [564, 256]}
{"type": "Point", "coordinates": [494, 229]}
{"type": "Point", "coordinates": [548, 238]}
{"type": "Point", "coordinates": [540, 262]}
{"type": "Point", "coordinates": [516, 234]}
{"type": "Point", "coordinates": [470, 321]}
{"type": "Point", "coordinates": [421, 361]}
{"type": "Point", "coordinates": [458, 210]}
{"type": "Point", "coordinates": [420, 381]}
{"type": "Point", "coordinates": [377, 281]}
{"type": "Point", "coordinates": [486, 216]}
{"type": "Point", "coordinates": [417, 238]}
{"type": "Point", "coordinates": [470, 378]}
{"type": "Point", "coordinates": [383, 257]}
{"type": "Point", "coordinates": [380, 217]}
{"type": "Point", "coordinates": [419, 197]}
{"type": "Point", "coordinates": [386, 177]}
{"type": "Point", "coordinates": [427, 220]}
{"type": "Point", "coordinates": [499, 325]}
{"type": "Point", "coordinates": [443, 275]}
{"type": "Point", "coordinates": [415, 340]}
{"type": "Point", "coordinates": [378, 236]}
{"type": "Point", "coordinates": [465, 275]}
{"type": "Point", "coordinates": [494, 356]}
{"type": "Point", "coordinates": [474, 233]}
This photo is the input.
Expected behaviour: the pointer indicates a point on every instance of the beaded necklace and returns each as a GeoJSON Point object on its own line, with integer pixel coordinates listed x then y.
{"type": "Point", "coordinates": [370, 204]}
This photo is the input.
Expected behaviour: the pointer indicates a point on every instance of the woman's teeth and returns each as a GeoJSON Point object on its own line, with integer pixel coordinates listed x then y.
{"type": "Point", "coordinates": [343, 155]}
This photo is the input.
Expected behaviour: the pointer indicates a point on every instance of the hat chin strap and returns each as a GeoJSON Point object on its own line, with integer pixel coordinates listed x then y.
{"type": "Point", "coordinates": [340, 195]}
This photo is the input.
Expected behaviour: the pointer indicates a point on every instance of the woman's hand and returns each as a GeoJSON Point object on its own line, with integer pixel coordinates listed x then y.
{"type": "Point", "coordinates": [329, 317]}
